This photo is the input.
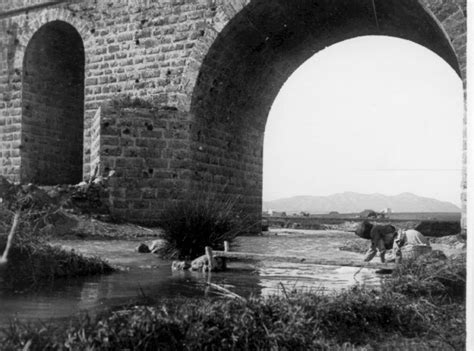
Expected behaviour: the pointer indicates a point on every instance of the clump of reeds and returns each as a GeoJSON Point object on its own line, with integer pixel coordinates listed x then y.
{"type": "Point", "coordinates": [192, 224]}
{"type": "Point", "coordinates": [430, 277]}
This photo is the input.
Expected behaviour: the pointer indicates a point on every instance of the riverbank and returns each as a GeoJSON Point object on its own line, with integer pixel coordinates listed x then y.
{"type": "Point", "coordinates": [33, 265]}
{"type": "Point", "coordinates": [419, 306]}
{"type": "Point", "coordinates": [361, 318]}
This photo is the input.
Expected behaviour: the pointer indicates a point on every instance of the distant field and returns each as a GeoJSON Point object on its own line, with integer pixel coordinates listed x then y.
{"type": "Point", "coordinates": [405, 216]}
{"type": "Point", "coordinates": [323, 221]}
{"type": "Point", "coordinates": [439, 216]}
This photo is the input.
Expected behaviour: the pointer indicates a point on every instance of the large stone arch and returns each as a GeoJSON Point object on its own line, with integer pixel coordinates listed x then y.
{"type": "Point", "coordinates": [52, 124]}
{"type": "Point", "coordinates": [251, 48]}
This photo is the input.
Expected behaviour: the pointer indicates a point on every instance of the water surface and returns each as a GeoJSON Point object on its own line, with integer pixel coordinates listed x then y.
{"type": "Point", "coordinates": [148, 275]}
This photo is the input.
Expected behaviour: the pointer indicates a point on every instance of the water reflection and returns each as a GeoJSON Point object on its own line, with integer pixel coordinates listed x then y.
{"type": "Point", "coordinates": [148, 276]}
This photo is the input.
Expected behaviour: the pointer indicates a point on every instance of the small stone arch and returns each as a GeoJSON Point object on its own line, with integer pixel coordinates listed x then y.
{"type": "Point", "coordinates": [30, 26]}
{"type": "Point", "coordinates": [52, 122]}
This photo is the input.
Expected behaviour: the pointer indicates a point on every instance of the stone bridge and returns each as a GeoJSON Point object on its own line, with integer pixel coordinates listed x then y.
{"type": "Point", "coordinates": [174, 94]}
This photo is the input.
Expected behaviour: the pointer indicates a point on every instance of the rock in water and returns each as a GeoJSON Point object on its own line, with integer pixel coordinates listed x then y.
{"type": "Point", "coordinates": [155, 246]}
{"type": "Point", "coordinates": [143, 248]}
{"type": "Point", "coordinates": [180, 265]}
{"type": "Point", "coordinates": [202, 264]}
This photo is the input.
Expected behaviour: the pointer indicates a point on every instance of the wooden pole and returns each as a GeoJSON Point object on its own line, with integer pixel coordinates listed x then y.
{"type": "Point", "coordinates": [209, 256]}
{"type": "Point", "coordinates": [16, 219]}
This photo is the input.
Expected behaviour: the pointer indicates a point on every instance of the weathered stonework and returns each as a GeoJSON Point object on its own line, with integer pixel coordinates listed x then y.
{"type": "Point", "coordinates": [209, 71]}
{"type": "Point", "coordinates": [148, 149]}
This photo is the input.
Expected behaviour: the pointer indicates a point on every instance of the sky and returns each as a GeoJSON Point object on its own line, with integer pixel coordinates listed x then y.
{"type": "Point", "coordinates": [373, 114]}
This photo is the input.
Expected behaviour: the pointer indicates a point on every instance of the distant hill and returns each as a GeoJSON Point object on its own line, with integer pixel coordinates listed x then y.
{"type": "Point", "coordinates": [349, 202]}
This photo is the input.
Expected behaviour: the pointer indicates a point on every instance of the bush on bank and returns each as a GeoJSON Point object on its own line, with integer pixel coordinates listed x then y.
{"type": "Point", "coordinates": [440, 280]}
{"type": "Point", "coordinates": [31, 266]}
{"type": "Point", "coordinates": [33, 263]}
{"type": "Point", "coordinates": [191, 225]}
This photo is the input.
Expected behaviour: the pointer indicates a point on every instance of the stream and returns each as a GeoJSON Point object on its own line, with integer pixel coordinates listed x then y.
{"type": "Point", "coordinates": [146, 275]}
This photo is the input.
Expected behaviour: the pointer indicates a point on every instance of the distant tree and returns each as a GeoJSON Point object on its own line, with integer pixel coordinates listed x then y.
{"type": "Point", "coordinates": [368, 214]}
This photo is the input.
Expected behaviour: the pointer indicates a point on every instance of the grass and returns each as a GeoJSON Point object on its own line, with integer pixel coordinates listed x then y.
{"type": "Point", "coordinates": [33, 263]}
{"type": "Point", "coordinates": [432, 316]}
{"type": "Point", "coordinates": [191, 225]}
{"type": "Point", "coordinates": [299, 321]}
{"type": "Point", "coordinates": [442, 281]}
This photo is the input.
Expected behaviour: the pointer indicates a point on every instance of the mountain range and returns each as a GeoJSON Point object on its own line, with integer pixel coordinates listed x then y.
{"type": "Point", "coordinates": [350, 202]}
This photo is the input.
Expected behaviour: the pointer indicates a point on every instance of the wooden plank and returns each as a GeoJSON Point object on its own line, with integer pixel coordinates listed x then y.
{"type": "Point", "coordinates": [294, 259]}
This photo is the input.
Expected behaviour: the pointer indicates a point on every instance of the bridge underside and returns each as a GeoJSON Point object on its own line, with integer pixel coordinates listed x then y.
{"type": "Point", "coordinates": [254, 55]}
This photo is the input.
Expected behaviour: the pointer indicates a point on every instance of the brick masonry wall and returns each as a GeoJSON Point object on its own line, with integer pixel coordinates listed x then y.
{"type": "Point", "coordinates": [452, 14]}
{"type": "Point", "coordinates": [171, 52]}
{"type": "Point", "coordinates": [9, 5]}
{"type": "Point", "coordinates": [137, 48]}
{"type": "Point", "coordinates": [148, 149]}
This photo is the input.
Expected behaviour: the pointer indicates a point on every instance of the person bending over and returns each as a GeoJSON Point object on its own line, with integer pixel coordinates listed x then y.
{"type": "Point", "coordinates": [381, 238]}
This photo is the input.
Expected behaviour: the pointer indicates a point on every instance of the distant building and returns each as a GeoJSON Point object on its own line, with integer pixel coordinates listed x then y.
{"type": "Point", "coordinates": [385, 213]}
{"type": "Point", "coordinates": [273, 213]}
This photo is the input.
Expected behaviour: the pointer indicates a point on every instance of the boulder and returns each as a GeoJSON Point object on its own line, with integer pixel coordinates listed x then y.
{"type": "Point", "coordinates": [180, 265]}
{"type": "Point", "coordinates": [143, 248]}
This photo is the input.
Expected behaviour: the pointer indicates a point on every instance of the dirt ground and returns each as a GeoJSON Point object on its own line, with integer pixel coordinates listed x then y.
{"type": "Point", "coordinates": [71, 226]}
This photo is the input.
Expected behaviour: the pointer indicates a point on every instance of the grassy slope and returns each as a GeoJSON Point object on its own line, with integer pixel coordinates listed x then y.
{"type": "Point", "coordinates": [32, 265]}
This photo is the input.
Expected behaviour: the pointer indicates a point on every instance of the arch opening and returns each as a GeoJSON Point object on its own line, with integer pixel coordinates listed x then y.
{"type": "Point", "coordinates": [370, 115]}
{"type": "Point", "coordinates": [253, 56]}
{"type": "Point", "coordinates": [53, 106]}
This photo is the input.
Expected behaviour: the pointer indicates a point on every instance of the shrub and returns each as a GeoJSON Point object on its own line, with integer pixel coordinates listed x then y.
{"type": "Point", "coordinates": [428, 276]}
{"type": "Point", "coordinates": [191, 225]}
{"type": "Point", "coordinates": [300, 321]}
{"type": "Point", "coordinates": [33, 263]}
